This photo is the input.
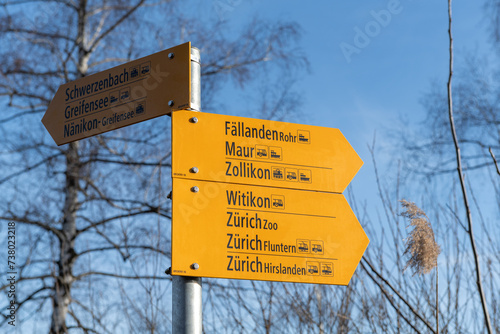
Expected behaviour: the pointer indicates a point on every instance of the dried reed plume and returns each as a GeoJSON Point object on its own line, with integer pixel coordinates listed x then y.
{"type": "Point", "coordinates": [420, 244]}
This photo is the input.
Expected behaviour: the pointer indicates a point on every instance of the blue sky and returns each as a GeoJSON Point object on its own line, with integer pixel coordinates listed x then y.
{"type": "Point", "coordinates": [385, 80]}
{"type": "Point", "coordinates": [370, 91]}
{"type": "Point", "coordinates": [382, 83]}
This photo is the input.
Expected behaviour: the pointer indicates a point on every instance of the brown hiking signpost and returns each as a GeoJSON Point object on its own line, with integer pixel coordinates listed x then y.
{"type": "Point", "coordinates": [123, 95]}
{"type": "Point", "coordinates": [252, 199]}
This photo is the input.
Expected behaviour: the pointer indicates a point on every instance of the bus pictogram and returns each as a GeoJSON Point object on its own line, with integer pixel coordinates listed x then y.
{"type": "Point", "coordinates": [304, 136]}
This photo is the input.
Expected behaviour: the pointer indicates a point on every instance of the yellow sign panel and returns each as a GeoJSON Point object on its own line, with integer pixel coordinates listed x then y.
{"type": "Point", "coordinates": [123, 95]}
{"type": "Point", "coordinates": [275, 234]}
{"type": "Point", "coordinates": [260, 152]}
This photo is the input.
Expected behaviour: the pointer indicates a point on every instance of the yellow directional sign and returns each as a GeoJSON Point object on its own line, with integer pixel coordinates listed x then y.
{"type": "Point", "coordinates": [260, 152]}
{"type": "Point", "coordinates": [275, 234]}
{"type": "Point", "coordinates": [123, 95]}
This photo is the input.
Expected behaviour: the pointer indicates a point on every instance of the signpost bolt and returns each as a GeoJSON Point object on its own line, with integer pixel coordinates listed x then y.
{"type": "Point", "coordinates": [194, 170]}
{"type": "Point", "coordinates": [195, 266]}
{"type": "Point", "coordinates": [171, 55]}
{"type": "Point", "coordinates": [193, 120]}
{"type": "Point", "coordinates": [171, 103]}
{"type": "Point", "coordinates": [195, 189]}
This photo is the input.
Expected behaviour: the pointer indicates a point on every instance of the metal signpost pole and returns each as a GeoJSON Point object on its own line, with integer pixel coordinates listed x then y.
{"type": "Point", "coordinates": [186, 305]}
{"type": "Point", "coordinates": [186, 291]}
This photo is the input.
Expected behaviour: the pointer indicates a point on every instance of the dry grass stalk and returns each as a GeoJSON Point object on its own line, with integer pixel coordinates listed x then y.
{"type": "Point", "coordinates": [421, 245]}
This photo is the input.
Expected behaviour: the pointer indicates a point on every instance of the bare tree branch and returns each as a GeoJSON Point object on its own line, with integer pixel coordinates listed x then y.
{"type": "Point", "coordinates": [410, 307]}
{"type": "Point", "coordinates": [494, 160]}
{"type": "Point", "coordinates": [96, 41]}
{"type": "Point", "coordinates": [462, 181]}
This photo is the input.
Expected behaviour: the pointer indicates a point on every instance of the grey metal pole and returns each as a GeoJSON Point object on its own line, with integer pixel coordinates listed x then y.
{"type": "Point", "coordinates": [186, 291]}
{"type": "Point", "coordinates": [186, 305]}
{"type": "Point", "coordinates": [195, 79]}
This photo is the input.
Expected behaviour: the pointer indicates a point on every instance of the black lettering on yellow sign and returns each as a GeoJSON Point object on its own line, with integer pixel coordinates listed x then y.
{"type": "Point", "coordinates": [247, 169]}
{"type": "Point", "coordinates": [239, 151]}
{"type": "Point", "coordinates": [279, 248]}
{"type": "Point", "coordinates": [255, 221]}
{"type": "Point", "coordinates": [246, 265]}
{"type": "Point", "coordinates": [239, 129]}
{"type": "Point", "coordinates": [247, 199]}
{"type": "Point", "coordinates": [244, 242]}
{"type": "Point", "coordinates": [270, 268]}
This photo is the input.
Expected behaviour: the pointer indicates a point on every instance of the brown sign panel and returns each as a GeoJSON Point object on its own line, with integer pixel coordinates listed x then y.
{"type": "Point", "coordinates": [123, 95]}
